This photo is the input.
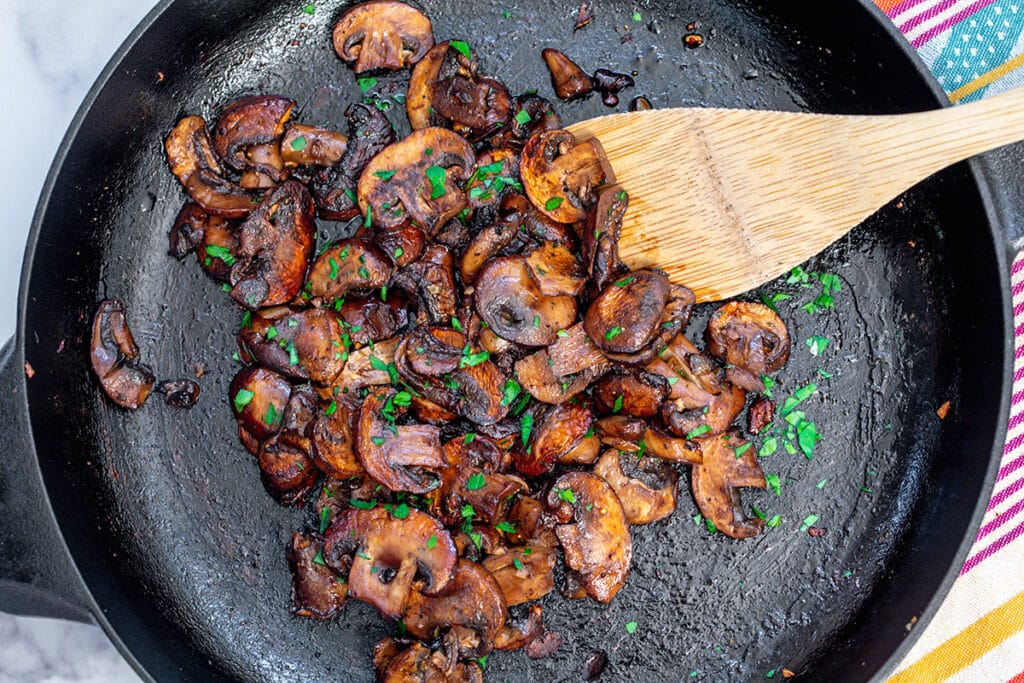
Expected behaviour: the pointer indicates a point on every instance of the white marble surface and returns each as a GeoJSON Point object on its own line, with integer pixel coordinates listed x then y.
{"type": "Point", "coordinates": [50, 53]}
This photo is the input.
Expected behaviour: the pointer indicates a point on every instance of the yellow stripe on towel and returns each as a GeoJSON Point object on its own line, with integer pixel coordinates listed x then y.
{"type": "Point", "coordinates": [968, 645]}
{"type": "Point", "coordinates": [987, 78]}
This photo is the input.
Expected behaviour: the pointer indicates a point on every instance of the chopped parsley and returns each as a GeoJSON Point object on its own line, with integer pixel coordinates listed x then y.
{"type": "Point", "coordinates": [631, 626]}
{"type": "Point", "coordinates": [319, 558]}
{"type": "Point", "coordinates": [523, 117]}
{"type": "Point", "coordinates": [309, 8]}
{"type": "Point", "coordinates": [817, 344]}
{"type": "Point", "coordinates": [462, 47]}
{"type": "Point", "coordinates": [401, 511]}
{"type": "Point", "coordinates": [363, 505]}
{"type": "Point", "coordinates": [567, 495]}
{"type": "Point", "coordinates": [618, 404]}
{"type": "Point", "coordinates": [526, 427]}
{"type": "Point", "coordinates": [507, 527]}
{"type": "Point", "coordinates": [325, 519]}
{"type": "Point", "coordinates": [510, 392]}
{"type": "Point", "coordinates": [243, 398]}
{"type": "Point", "coordinates": [553, 203]}
{"type": "Point", "coordinates": [613, 333]}
{"type": "Point", "coordinates": [476, 482]}
{"type": "Point", "coordinates": [694, 433]}
{"type": "Point", "coordinates": [432, 542]}
{"type": "Point", "coordinates": [299, 143]}
{"type": "Point", "coordinates": [625, 281]}
{"type": "Point", "coordinates": [808, 522]}
{"type": "Point", "coordinates": [365, 84]}
{"type": "Point", "coordinates": [385, 175]}
{"type": "Point", "coordinates": [437, 176]}
{"type": "Point", "coordinates": [773, 483]}
{"type": "Point", "coordinates": [223, 253]}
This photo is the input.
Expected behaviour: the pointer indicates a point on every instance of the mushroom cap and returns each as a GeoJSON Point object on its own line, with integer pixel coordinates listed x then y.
{"type": "Point", "coordinates": [716, 483]}
{"type": "Point", "coordinates": [193, 162]}
{"type": "Point", "coordinates": [401, 457]}
{"type": "Point", "coordinates": [302, 344]}
{"type": "Point", "coordinates": [312, 146]}
{"type": "Point", "coordinates": [559, 431]}
{"type": "Point", "coordinates": [382, 34]}
{"type": "Point", "coordinates": [531, 579]}
{"type": "Point", "coordinates": [636, 393]}
{"type": "Point", "coordinates": [247, 122]}
{"type": "Point", "coordinates": [351, 265]}
{"type": "Point", "coordinates": [643, 502]}
{"type": "Point", "coordinates": [114, 356]}
{"type": "Point", "coordinates": [625, 316]}
{"type": "Point", "coordinates": [512, 305]}
{"type": "Point", "coordinates": [384, 555]}
{"type": "Point", "coordinates": [259, 398]}
{"type": "Point", "coordinates": [597, 544]}
{"type": "Point", "coordinates": [569, 79]}
{"type": "Point", "coordinates": [334, 445]}
{"type": "Point", "coordinates": [562, 177]}
{"type": "Point", "coordinates": [316, 590]}
{"type": "Point", "coordinates": [750, 337]}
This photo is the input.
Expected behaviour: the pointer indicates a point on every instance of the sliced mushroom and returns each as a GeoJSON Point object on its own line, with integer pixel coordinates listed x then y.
{"type": "Point", "coordinates": [563, 177]}
{"type": "Point", "coordinates": [382, 556]}
{"type": "Point", "coordinates": [524, 573]}
{"type": "Point", "coordinates": [673, 321]}
{"type": "Point", "coordinates": [382, 34]}
{"type": "Point", "coordinates": [497, 173]}
{"type": "Point", "coordinates": [694, 377]}
{"type": "Point", "coordinates": [624, 317]}
{"type": "Point", "coordinates": [761, 413]}
{"type": "Point", "coordinates": [287, 472]}
{"type": "Point", "coordinates": [474, 477]}
{"type": "Point", "coordinates": [569, 79]}
{"type": "Point", "coordinates": [672, 449]}
{"type": "Point", "coordinates": [187, 231]}
{"type": "Point", "coordinates": [405, 245]}
{"type": "Point", "coordinates": [472, 602]}
{"type": "Point", "coordinates": [556, 270]}
{"type": "Point", "coordinates": [594, 537]}
{"type": "Point", "coordinates": [218, 250]}
{"type": "Point", "coordinates": [404, 183]}
{"type": "Point", "coordinates": [574, 352]}
{"type": "Point", "coordinates": [600, 238]}
{"type": "Point", "coordinates": [610, 84]}
{"type": "Point", "coordinates": [727, 467]}
{"type": "Point", "coordinates": [536, 375]}
{"type": "Point", "coordinates": [305, 345]}
{"type": "Point", "coordinates": [275, 246]}
{"type": "Point", "coordinates": [401, 457]}
{"type": "Point", "coordinates": [474, 107]}
{"type": "Point", "coordinates": [531, 115]}
{"type": "Point", "coordinates": [520, 632]}
{"type": "Point", "coordinates": [431, 280]}
{"type": "Point", "coordinates": [317, 592]}
{"type": "Point", "coordinates": [418, 664]}
{"type": "Point", "coordinates": [252, 122]}
{"type": "Point", "coordinates": [192, 160]}
{"type": "Point", "coordinates": [646, 487]}
{"type": "Point", "coordinates": [558, 431]}
{"type": "Point", "coordinates": [259, 398]}
{"type": "Point", "coordinates": [334, 447]}
{"type": "Point", "coordinates": [637, 393]}
{"type": "Point", "coordinates": [312, 146]}
{"type": "Point", "coordinates": [442, 61]}
{"type": "Point", "coordinates": [334, 188]}
{"type": "Point", "coordinates": [352, 265]}
{"type": "Point", "coordinates": [534, 526]}
{"type": "Point", "coordinates": [751, 338]}
{"type": "Point", "coordinates": [710, 420]}
{"type": "Point", "coordinates": [370, 320]}
{"type": "Point", "coordinates": [514, 308]}
{"type": "Point", "coordinates": [115, 356]}
{"type": "Point", "coordinates": [367, 367]}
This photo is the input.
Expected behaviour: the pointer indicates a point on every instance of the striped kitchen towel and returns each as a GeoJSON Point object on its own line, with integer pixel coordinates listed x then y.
{"type": "Point", "coordinates": [975, 48]}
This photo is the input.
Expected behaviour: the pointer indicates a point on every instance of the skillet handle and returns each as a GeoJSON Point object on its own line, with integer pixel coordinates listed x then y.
{"type": "Point", "coordinates": [37, 576]}
{"type": "Point", "coordinates": [1002, 170]}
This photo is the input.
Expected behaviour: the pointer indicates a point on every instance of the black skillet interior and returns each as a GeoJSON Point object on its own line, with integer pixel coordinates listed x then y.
{"type": "Point", "coordinates": [183, 550]}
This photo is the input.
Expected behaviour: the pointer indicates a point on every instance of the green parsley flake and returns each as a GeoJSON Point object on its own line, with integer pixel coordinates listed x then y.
{"type": "Point", "coordinates": [817, 344]}
{"type": "Point", "coordinates": [473, 359]}
{"type": "Point", "coordinates": [740, 450]}
{"type": "Point", "coordinates": [331, 409]}
{"type": "Point", "coordinates": [385, 175]}
{"type": "Point", "coordinates": [774, 521]}
{"type": "Point", "coordinates": [525, 427]}
{"type": "Point", "coordinates": [271, 333]}
{"type": "Point", "coordinates": [293, 354]}
{"type": "Point", "coordinates": [507, 527]}
{"type": "Point", "coordinates": [223, 253]}
{"type": "Point", "coordinates": [553, 203]}
{"type": "Point", "coordinates": [270, 418]}
{"type": "Point", "coordinates": [821, 484]}
{"type": "Point", "coordinates": [377, 440]}
{"type": "Point", "coordinates": [309, 8]}
{"type": "Point", "coordinates": [462, 47]}
{"type": "Point", "coordinates": [397, 253]}
{"type": "Point", "coordinates": [437, 176]}
{"type": "Point", "coordinates": [401, 511]}
{"type": "Point", "coordinates": [243, 398]}
{"type": "Point", "coordinates": [476, 482]}
{"type": "Point", "coordinates": [774, 483]}
{"type": "Point", "coordinates": [469, 438]}
{"type": "Point", "coordinates": [618, 404]}
{"type": "Point", "coordinates": [523, 117]}
{"type": "Point", "coordinates": [567, 495]}
{"type": "Point", "coordinates": [369, 216]}
{"type": "Point", "coordinates": [631, 627]}
{"type": "Point", "coordinates": [325, 519]}
{"type": "Point", "coordinates": [694, 433]}
{"type": "Point", "coordinates": [625, 281]}
{"type": "Point", "coordinates": [613, 333]}
{"type": "Point", "coordinates": [511, 392]}
{"type": "Point", "coordinates": [710, 526]}
{"type": "Point", "coordinates": [299, 143]}
{"type": "Point", "coordinates": [562, 333]}
{"type": "Point", "coordinates": [365, 84]}
{"type": "Point", "coordinates": [808, 522]}
{"type": "Point", "coordinates": [432, 542]}
{"type": "Point", "coordinates": [363, 505]}
{"type": "Point", "coordinates": [517, 563]}
{"type": "Point", "coordinates": [319, 558]}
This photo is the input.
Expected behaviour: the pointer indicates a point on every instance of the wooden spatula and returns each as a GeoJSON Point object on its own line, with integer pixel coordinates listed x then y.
{"type": "Point", "coordinates": [725, 200]}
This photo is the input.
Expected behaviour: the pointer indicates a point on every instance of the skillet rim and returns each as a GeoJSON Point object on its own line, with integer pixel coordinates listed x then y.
{"type": "Point", "coordinates": [888, 28]}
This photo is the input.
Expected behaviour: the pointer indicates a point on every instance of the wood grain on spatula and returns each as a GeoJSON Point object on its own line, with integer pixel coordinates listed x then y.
{"type": "Point", "coordinates": [725, 200]}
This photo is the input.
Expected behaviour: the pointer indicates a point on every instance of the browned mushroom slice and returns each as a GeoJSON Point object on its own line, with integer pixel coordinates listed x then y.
{"type": "Point", "coordinates": [662, 446]}
{"type": "Point", "coordinates": [266, 167]}
{"type": "Point", "coordinates": [352, 265]}
{"type": "Point", "coordinates": [525, 573]}
{"type": "Point", "coordinates": [574, 352]}
{"type": "Point", "coordinates": [404, 245]}
{"type": "Point", "coordinates": [712, 419]}
{"type": "Point", "coordinates": [187, 231]}
{"type": "Point", "coordinates": [624, 317]}
{"type": "Point", "coordinates": [382, 556]}
{"type": "Point", "coordinates": [300, 344]}
{"type": "Point", "coordinates": [371, 319]}
{"type": "Point", "coordinates": [557, 432]}
{"type": "Point", "coordinates": [259, 398]}
{"type": "Point", "coordinates": [556, 270]}
{"type": "Point", "coordinates": [761, 413]}
{"type": "Point", "coordinates": [287, 472]}
{"type": "Point", "coordinates": [646, 487]}
{"type": "Point", "coordinates": [431, 280]}
{"type": "Point", "coordinates": [610, 84]}
{"type": "Point", "coordinates": [218, 250]}
{"type": "Point", "coordinates": [497, 172]}
{"type": "Point", "coordinates": [569, 79]}
{"type": "Point", "coordinates": [562, 177]}
{"type": "Point", "coordinates": [442, 61]}
{"type": "Point", "coordinates": [638, 393]}
{"type": "Point", "coordinates": [192, 160]}
{"type": "Point", "coordinates": [382, 34]}
{"type": "Point", "coordinates": [594, 537]}
{"type": "Point", "coordinates": [401, 457]}
{"type": "Point", "coordinates": [726, 468]}
{"type": "Point", "coordinates": [535, 374]}
{"type": "Point", "coordinates": [312, 146]}
{"type": "Point", "coordinates": [514, 308]}
{"type": "Point", "coordinates": [334, 188]}
{"type": "Point", "coordinates": [751, 338]}
{"type": "Point", "coordinates": [275, 245]}
{"type": "Point", "coordinates": [317, 592]}
{"type": "Point", "coordinates": [472, 601]}
{"type": "Point", "coordinates": [334, 448]}
{"type": "Point", "coordinates": [251, 122]}
{"type": "Point", "coordinates": [115, 356]}
{"type": "Point", "coordinates": [403, 182]}
{"type": "Point", "coordinates": [600, 238]}
{"type": "Point", "coordinates": [473, 478]}
{"type": "Point", "coordinates": [673, 320]}
{"type": "Point", "coordinates": [695, 378]}
{"type": "Point", "coordinates": [418, 664]}
{"type": "Point", "coordinates": [475, 107]}
{"type": "Point", "coordinates": [367, 367]}
{"type": "Point", "coordinates": [180, 393]}
{"type": "Point", "coordinates": [531, 115]}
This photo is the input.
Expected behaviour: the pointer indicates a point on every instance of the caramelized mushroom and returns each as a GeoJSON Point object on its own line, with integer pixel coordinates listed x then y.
{"type": "Point", "coordinates": [334, 188]}
{"type": "Point", "coordinates": [418, 664]}
{"type": "Point", "coordinates": [610, 84]}
{"type": "Point", "coordinates": [115, 356]}
{"type": "Point", "coordinates": [562, 177]}
{"type": "Point", "coordinates": [475, 107]}
{"type": "Point", "coordinates": [472, 603]}
{"type": "Point", "coordinates": [404, 245]}
{"type": "Point", "coordinates": [600, 238]}
{"type": "Point", "coordinates": [569, 79]}
{"type": "Point", "coordinates": [251, 122]}
{"type": "Point", "coordinates": [595, 537]}
{"type": "Point", "coordinates": [312, 146]}
{"type": "Point", "coordinates": [187, 231]}
{"type": "Point", "coordinates": [751, 338]}
{"type": "Point", "coordinates": [431, 280]}
{"type": "Point", "coordinates": [352, 265]}
{"type": "Point", "coordinates": [401, 457]}
{"type": "Point", "coordinates": [382, 556]}
{"type": "Point", "coordinates": [218, 250]}
{"type": "Point", "coordinates": [709, 420]}
{"type": "Point", "coordinates": [531, 115]}
{"type": "Point", "coordinates": [192, 160]}
{"type": "Point", "coordinates": [441, 61]}
{"type": "Point", "coordinates": [371, 320]}
{"type": "Point", "coordinates": [259, 398]}
{"type": "Point", "coordinates": [524, 573]}
{"type": "Point", "coordinates": [275, 245]}
{"type": "Point", "coordinates": [180, 393]}
{"type": "Point", "coordinates": [518, 633]}
{"type": "Point", "coordinates": [304, 345]}
{"type": "Point", "coordinates": [673, 321]}
{"type": "Point", "coordinates": [474, 477]}
{"type": "Point", "coordinates": [726, 468]}
{"type": "Point", "coordinates": [287, 472]}
{"type": "Point", "coordinates": [638, 393]}
{"type": "Point", "coordinates": [761, 413]}
{"type": "Point", "coordinates": [558, 432]}
{"type": "Point", "coordinates": [624, 317]}
{"type": "Point", "coordinates": [404, 183]}
{"type": "Point", "coordinates": [556, 270]}
{"type": "Point", "coordinates": [367, 367]}
{"type": "Point", "coordinates": [333, 442]}
{"type": "Point", "coordinates": [382, 34]}
{"type": "Point", "coordinates": [513, 306]}
{"type": "Point", "coordinates": [316, 590]}
{"type": "Point", "coordinates": [646, 487]}
{"type": "Point", "coordinates": [535, 373]}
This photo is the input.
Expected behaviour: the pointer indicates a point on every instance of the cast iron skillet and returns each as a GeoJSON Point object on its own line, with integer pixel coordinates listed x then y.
{"type": "Point", "coordinates": [154, 523]}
